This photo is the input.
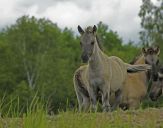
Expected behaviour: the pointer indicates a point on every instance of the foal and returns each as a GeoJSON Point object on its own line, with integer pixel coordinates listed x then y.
{"type": "Point", "coordinates": [157, 86]}
{"type": "Point", "coordinates": [102, 73]}
{"type": "Point", "coordinates": [135, 87]}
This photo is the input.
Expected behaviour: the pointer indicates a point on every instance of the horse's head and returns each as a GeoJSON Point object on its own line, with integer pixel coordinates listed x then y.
{"type": "Point", "coordinates": [157, 86]}
{"type": "Point", "coordinates": [87, 41]}
{"type": "Point", "coordinates": [151, 55]}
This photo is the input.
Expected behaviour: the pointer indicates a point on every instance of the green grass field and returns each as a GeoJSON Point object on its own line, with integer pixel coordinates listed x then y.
{"type": "Point", "coordinates": [147, 118]}
{"type": "Point", "coordinates": [150, 115]}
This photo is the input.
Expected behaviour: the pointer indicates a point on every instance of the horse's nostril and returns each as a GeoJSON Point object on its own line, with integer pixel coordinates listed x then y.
{"type": "Point", "coordinates": [84, 58]}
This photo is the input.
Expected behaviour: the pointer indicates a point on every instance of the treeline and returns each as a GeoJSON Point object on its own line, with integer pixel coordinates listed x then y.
{"type": "Point", "coordinates": [39, 58]}
{"type": "Point", "coordinates": [152, 23]}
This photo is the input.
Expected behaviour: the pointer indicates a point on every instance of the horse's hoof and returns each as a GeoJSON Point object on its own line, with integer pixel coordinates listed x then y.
{"type": "Point", "coordinates": [93, 108]}
{"type": "Point", "coordinates": [124, 106]}
{"type": "Point", "coordinates": [112, 109]}
{"type": "Point", "coordinates": [107, 109]}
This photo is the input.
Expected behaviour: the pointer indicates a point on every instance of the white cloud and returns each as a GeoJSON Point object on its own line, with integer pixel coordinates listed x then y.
{"type": "Point", "coordinates": [121, 16]}
{"type": "Point", "coordinates": [7, 12]}
{"type": "Point", "coordinates": [67, 14]}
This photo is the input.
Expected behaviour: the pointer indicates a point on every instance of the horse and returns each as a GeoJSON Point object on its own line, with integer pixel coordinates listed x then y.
{"type": "Point", "coordinates": [157, 86]}
{"type": "Point", "coordinates": [135, 86]}
{"type": "Point", "coordinates": [155, 76]}
{"type": "Point", "coordinates": [101, 73]}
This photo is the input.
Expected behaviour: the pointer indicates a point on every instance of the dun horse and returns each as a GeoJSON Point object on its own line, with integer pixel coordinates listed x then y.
{"type": "Point", "coordinates": [157, 86]}
{"type": "Point", "coordinates": [135, 87]}
{"type": "Point", "coordinates": [102, 73]}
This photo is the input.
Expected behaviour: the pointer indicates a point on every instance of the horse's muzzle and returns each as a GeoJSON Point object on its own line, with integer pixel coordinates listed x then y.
{"type": "Point", "coordinates": [84, 58]}
{"type": "Point", "coordinates": [154, 96]}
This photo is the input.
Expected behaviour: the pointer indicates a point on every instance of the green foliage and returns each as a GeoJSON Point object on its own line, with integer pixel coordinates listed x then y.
{"type": "Point", "coordinates": [37, 56]}
{"type": "Point", "coordinates": [112, 44]}
{"type": "Point", "coordinates": [152, 23]}
{"type": "Point", "coordinates": [109, 38]}
{"type": "Point", "coordinates": [148, 103]}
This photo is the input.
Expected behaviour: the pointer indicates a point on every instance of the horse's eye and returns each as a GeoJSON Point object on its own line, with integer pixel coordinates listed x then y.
{"type": "Point", "coordinates": [92, 43]}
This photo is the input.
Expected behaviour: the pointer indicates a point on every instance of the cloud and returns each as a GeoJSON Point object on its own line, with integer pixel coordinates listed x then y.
{"type": "Point", "coordinates": [8, 12]}
{"type": "Point", "coordinates": [67, 14]}
{"type": "Point", "coordinates": [121, 16]}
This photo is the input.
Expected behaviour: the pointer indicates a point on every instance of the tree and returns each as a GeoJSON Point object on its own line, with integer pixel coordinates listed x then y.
{"type": "Point", "coordinates": [152, 23]}
{"type": "Point", "coordinates": [37, 56]}
{"type": "Point", "coordinates": [109, 38]}
{"type": "Point", "coordinates": [112, 44]}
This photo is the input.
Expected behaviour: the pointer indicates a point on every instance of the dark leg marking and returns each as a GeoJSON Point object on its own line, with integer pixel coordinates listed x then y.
{"type": "Point", "coordinates": [81, 85]}
{"type": "Point", "coordinates": [124, 106]}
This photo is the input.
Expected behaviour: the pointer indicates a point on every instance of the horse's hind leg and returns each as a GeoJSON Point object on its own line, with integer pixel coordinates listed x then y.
{"type": "Point", "coordinates": [83, 101]}
{"type": "Point", "coordinates": [118, 98]}
{"type": "Point", "coordinates": [79, 98]}
{"type": "Point", "coordinates": [77, 90]}
{"type": "Point", "coordinates": [86, 104]}
{"type": "Point", "coordinates": [81, 92]}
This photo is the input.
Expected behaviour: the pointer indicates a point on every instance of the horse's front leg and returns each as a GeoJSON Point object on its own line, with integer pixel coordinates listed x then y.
{"type": "Point", "coordinates": [118, 98]}
{"type": "Point", "coordinates": [105, 98]}
{"type": "Point", "coordinates": [93, 95]}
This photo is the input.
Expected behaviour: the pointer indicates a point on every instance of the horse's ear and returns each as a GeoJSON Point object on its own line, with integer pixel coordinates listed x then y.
{"type": "Point", "coordinates": [144, 51]}
{"type": "Point", "coordinates": [157, 50]}
{"type": "Point", "coordinates": [94, 29]}
{"type": "Point", "coordinates": [81, 31]}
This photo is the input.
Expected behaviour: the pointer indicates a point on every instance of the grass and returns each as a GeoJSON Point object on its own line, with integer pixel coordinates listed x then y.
{"type": "Point", "coordinates": [147, 118]}
{"type": "Point", "coordinates": [37, 117]}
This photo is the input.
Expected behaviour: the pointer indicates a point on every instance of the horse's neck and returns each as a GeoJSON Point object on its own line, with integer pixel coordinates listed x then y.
{"type": "Point", "coordinates": [95, 61]}
{"type": "Point", "coordinates": [141, 60]}
{"type": "Point", "coordinates": [142, 75]}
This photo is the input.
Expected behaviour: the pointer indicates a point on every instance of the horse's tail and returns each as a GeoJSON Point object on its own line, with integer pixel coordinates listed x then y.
{"type": "Point", "coordinates": [137, 68]}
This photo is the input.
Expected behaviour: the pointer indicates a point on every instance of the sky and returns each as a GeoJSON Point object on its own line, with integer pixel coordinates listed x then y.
{"type": "Point", "coordinates": [119, 15]}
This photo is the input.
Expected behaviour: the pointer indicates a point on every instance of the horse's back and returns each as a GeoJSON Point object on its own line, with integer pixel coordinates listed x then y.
{"type": "Point", "coordinates": [118, 63]}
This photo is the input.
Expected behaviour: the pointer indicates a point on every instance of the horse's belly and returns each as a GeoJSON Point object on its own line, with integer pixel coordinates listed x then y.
{"type": "Point", "coordinates": [116, 84]}
{"type": "Point", "coordinates": [118, 79]}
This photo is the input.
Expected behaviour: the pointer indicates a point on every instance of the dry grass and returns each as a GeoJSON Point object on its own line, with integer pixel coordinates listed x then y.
{"type": "Point", "coordinates": [148, 118]}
